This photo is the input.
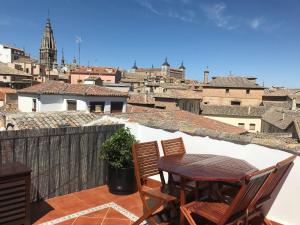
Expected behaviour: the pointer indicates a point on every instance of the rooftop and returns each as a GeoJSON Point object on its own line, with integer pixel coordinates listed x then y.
{"type": "Point", "coordinates": [281, 92]}
{"type": "Point", "coordinates": [281, 118]}
{"type": "Point", "coordinates": [4, 91]}
{"type": "Point", "coordinates": [178, 120]}
{"type": "Point", "coordinates": [179, 94]}
{"type": "Point", "coordinates": [235, 111]}
{"type": "Point", "coordinates": [56, 87]}
{"type": "Point", "coordinates": [98, 206]}
{"type": "Point", "coordinates": [141, 98]}
{"type": "Point", "coordinates": [233, 82]}
{"type": "Point", "coordinates": [5, 70]}
{"type": "Point", "coordinates": [40, 120]}
{"type": "Point", "coordinates": [95, 70]}
{"type": "Point", "coordinates": [8, 109]}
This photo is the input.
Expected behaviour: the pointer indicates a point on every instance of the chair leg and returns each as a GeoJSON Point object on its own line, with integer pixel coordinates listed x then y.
{"type": "Point", "coordinates": [187, 215]}
{"type": "Point", "coordinates": [148, 212]}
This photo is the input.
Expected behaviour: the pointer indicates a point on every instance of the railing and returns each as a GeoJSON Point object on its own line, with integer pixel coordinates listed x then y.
{"type": "Point", "coordinates": [62, 160]}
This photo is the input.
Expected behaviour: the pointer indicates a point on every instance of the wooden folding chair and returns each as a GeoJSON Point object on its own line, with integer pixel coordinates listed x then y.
{"type": "Point", "coordinates": [176, 146]}
{"type": "Point", "coordinates": [271, 184]}
{"type": "Point", "coordinates": [222, 213]}
{"type": "Point", "coordinates": [173, 146]}
{"type": "Point", "coordinates": [146, 156]}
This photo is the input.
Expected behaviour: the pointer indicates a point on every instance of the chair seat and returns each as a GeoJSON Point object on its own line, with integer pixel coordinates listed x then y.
{"type": "Point", "coordinates": [156, 193]}
{"type": "Point", "coordinates": [212, 211]}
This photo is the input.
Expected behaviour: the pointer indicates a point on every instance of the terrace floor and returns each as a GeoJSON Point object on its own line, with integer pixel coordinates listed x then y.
{"type": "Point", "coordinates": [92, 206]}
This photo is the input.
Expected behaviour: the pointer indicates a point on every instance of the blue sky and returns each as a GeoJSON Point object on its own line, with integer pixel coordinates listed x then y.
{"type": "Point", "coordinates": [258, 38]}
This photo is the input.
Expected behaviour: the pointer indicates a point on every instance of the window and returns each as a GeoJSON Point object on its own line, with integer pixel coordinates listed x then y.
{"type": "Point", "coordinates": [252, 126]}
{"type": "Point", "coordinates": [235, 103]}
{"type": "Point", "coordinates": [71, 105]}
{"type": "Point", "coordinates": [241, 125]}
{"type": "Point", "coordinates": [227, 90]}
{"type": "Point", "coordinates": [97, 107]}
{"type": "Point", "coordinates": [34, 105]}
{"type": "Point", "coordinates": [4, 77]}
{"type": "Point", "coordinates": [27, 70]}
{"type": "Point", "coordinates": [116, 107]}
{"type": "Point", "coordinates": [248, 91]}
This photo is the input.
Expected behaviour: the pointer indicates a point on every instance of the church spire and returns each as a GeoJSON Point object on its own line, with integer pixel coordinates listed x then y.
{"type": "Point", "coordinates": [62, 57]}
{"type": "Point", "coordinates": [134, 67]}
{"type": "Point", "coordinates": [48, 51]}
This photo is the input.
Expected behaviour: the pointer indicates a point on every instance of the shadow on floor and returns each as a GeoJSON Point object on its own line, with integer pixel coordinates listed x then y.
{"type": "Point", "coordinates": [39, 209]}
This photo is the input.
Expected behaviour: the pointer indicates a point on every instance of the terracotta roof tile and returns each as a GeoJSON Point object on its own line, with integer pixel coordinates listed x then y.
{"type": "Point", "coordinates": [95, 70]}
{"type": "Point", "coordinates": [281, 118]}
{"type": "Point", "coordinates": [179, 94]}
{"type": "Point", "coordinates": [182, 121]}
{"type": "Point", "coordinates": [235, 111]}
{"type": "Point", "coordinates": [233, 82]}
{"type": "Point", "coordinates": [5, 70]}
{"type": "Point", "coordinates": [141, 99]}
{"type": "Point", "coordinates": [56, 87]}
{"type": "Point", "coordinates": [49, 119]}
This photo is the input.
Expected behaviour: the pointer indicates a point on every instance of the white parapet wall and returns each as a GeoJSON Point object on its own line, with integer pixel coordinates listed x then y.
{"type": "Point", "coordinates": [285, 208]}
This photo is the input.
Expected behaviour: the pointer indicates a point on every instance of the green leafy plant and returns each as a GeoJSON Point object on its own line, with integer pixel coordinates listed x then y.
{"type": "Point", "coordinates": [117, 149]}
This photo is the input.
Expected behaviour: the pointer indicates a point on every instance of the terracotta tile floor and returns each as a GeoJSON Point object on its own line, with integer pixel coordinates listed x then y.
{"type": "Point", "coordinates": [105, 208]}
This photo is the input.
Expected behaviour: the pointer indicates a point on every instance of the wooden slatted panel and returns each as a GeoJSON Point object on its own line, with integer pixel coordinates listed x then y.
{"type": "Point", "coordinates": [173, 146]}
{"type": "Point", "coordinates": [74, 165]}
{"type": "Point", "coordinates": [249, 190]}
{"type": "Point", "coordinates": [54, 166]}
{"type": "Point", "coordinates": [44, 167]}
{"type": "Point", "coordinates": [147, 155]}
{"type": "Point", "coordinates": [277, 177]}
{"type": "Point", "coordinates": [64, 168]}
{"type": "Point", "coordinates": [84, 153]}
{"type": "Point", "coordinates": [12, 200]}
{"type": "Point", "coordinates": [32, 162]}
{"type": "Point", "coordinates": [62, 160]}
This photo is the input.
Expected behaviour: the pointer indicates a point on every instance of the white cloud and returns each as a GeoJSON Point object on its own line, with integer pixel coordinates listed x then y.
{"type": "Point", "coordinates": [217, 14]}
{"type": "Point", "coordinates": [148, 5]}
{"type": "Point", "coordinates": [257, 22]}
{"type": "Point", "coordinates": [166, 10]}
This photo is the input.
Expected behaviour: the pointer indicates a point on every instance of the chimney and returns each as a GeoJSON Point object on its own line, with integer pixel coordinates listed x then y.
{"type": "Point", "coordinates": [206, 73]}
{"type": "Point", "coordinates": [283, 115]}
{"type": "Point", "coordinates": [249, 110]}
{"type": "Point", "coordinates": [294, 106]}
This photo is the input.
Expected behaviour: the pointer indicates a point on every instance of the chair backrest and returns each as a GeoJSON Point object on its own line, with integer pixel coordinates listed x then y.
{"type": "Point", "coordinates": [252, 184]}
{"type": "Point", "coordinates": [274, 179]}
{"type": "Point", "coordinates": [173, 146]}
{"type": "Point", "coordinates": [145, 157]}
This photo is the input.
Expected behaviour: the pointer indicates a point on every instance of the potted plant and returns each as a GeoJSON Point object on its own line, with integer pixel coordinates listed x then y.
{"type": "Point", "coordinates": [116, 151]}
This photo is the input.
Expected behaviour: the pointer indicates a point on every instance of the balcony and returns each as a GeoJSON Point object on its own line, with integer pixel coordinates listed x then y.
{"type": "Point", "coordinates": [97, 206]}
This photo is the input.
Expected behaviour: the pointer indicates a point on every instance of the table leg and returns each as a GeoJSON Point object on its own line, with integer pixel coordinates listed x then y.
{"type": "Point", "coordinates": [182, 199]}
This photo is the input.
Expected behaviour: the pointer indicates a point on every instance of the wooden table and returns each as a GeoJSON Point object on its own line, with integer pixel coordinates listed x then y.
{"type": "Point", "coordinates": [204, 167]}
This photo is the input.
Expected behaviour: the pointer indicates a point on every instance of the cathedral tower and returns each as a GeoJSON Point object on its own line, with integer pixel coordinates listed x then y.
{"type": "Point", "coordinates": [48, 51]}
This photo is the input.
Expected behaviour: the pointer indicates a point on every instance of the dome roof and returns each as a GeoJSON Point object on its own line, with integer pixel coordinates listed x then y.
{"type": "Point", "coordinates": [182, 67]}
{"type": "Point", "coordinates": [134, 66]}
{"type": "Point", "coordinates": [166, 62]}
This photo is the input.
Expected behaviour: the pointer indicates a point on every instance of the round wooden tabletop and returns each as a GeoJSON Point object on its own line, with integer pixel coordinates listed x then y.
{"type": "Point", "coordinates": [206, 167]}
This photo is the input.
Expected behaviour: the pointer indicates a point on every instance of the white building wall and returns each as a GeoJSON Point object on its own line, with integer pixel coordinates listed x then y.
{"type": "Point", "coordinates": [285, 209]}
{"type": "Point", "coordinates": [5, 54]}
{"type": "Point", "coordinates": [48, 103]}
{"type": "Point", "coordinates": [236, 120]}
{"type": "Point", "coordinates": [25, 103]}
